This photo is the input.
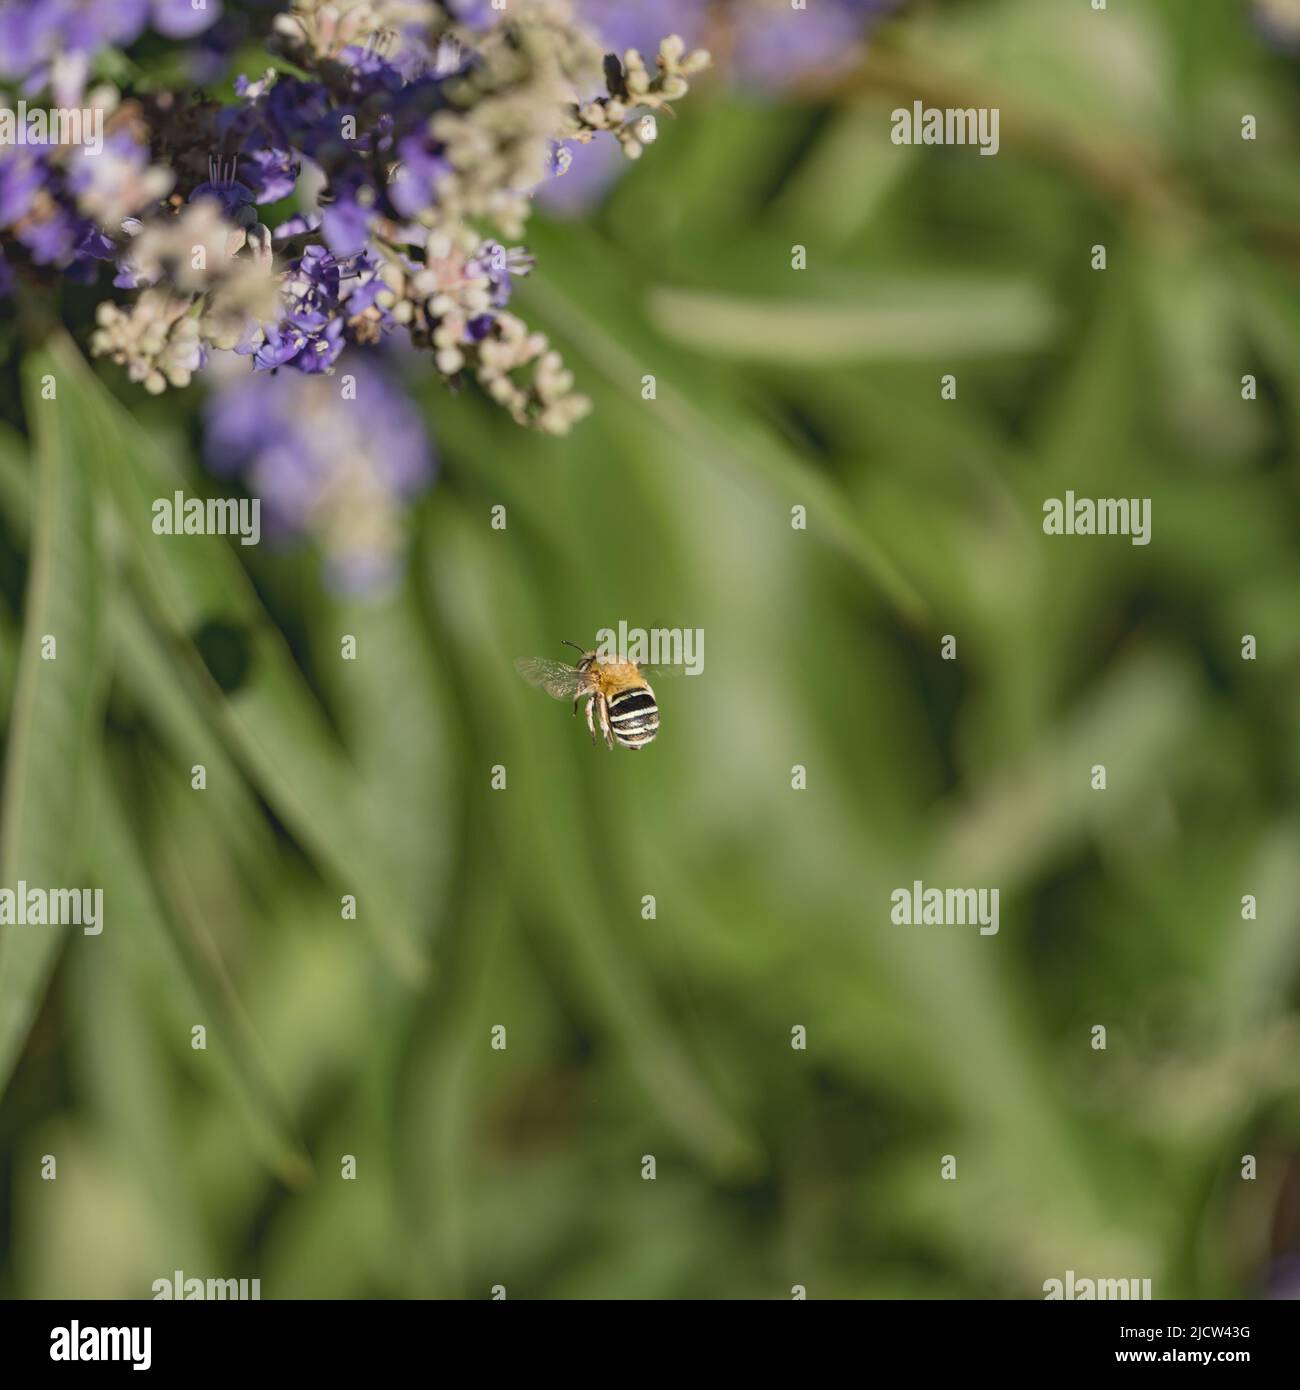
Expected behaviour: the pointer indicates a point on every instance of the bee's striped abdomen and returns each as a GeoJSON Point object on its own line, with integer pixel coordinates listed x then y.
{"type": "Point", "coordinates": [634, 716]}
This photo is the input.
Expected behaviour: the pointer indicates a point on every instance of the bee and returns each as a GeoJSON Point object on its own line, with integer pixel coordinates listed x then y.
{"type": "Point", "coordinates": [615, 691]}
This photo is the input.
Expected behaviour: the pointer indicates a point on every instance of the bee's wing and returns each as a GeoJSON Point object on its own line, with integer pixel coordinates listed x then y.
{"type": "Point", "coordinates": [560, 681]}
{"type": "Point", "coordinates": [662, 673]}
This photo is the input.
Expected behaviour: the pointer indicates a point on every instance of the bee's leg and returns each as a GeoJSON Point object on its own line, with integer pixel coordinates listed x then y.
{"type": "Point", "coordinates": [604, 722]}
{"type": "Point", "coordinates": [591, 700]}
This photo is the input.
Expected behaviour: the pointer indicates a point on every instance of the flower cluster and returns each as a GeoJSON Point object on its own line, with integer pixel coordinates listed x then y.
{"type": "Point", "coordinates": [368, 183]}
{"type": "Point", "coordinates": [53, 41]}
{"type": "Point", "coordinates": [57, 201]}
{"type": "Point", "coordinates": [766, 46]}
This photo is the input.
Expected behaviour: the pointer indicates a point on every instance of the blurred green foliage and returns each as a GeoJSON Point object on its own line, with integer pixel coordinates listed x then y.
{"type": "Point", "coordinates": [776, 388]}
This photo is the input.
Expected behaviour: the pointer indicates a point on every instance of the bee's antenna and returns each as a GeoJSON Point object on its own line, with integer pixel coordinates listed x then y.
{"type": "Point", "coordinates": [565, 642]}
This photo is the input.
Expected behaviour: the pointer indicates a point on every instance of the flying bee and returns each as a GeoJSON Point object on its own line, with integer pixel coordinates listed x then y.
{"type": "Point", "coordinates": [615, 691]}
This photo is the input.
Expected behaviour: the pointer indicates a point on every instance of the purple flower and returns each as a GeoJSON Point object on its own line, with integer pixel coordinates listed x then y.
{"type": "Point", "coordinates": [301, 224]}
{"type": "Point", "coordinates": [778, 45]}
{"type": "Point", "coordinates": [322, 349]}
{"type": "Point", "coordinates": [498, 266]}
{"type": "Point", "coordinates": [620, 25]}
{"type": "Point", "coordinates": [345, 223]}
{"type": "Point", "coordinates": [474, 14]}
{"type": "Point", "coordinates": [54, 238]}
{"type": "Point", "coordinates": [588, 171]}
{"type": "Point", "coordinates": [772, 46]}
{"type": "Point", "coordinates": [38, 35]}
{"type": "Point", "coordinates": [256, 130]}
{"type": "Point", "coordinates": [353, 117]}
{"type": "Point", "coordinates": [224, 189]}
{"type": "Point", "coordinates": [1284, 1278]}
{"type": "Point", "coordinates": [310, 336]}
{"type": "Point", "coordinates": [363, 287]}
{"type": "Point", "coordinates": [370, 71]}
{"type": "Point", "coordinates": [22, 173]}
{"type": "Point", "coordinates": [1278, 21]}
{"type": "Point", "coordinates": [415, 186]}
{"type": "Point", "coordinates": [313, 288]}
{"type": "Point", "coordinates": [183, 19]}
{"type": "Point", "coordinates": [333, 459]}
{"type": "Point", "coordinates": [94, 245]}
{"type": "Point", "coordinates": [209, 59]}
{"type": "Point", "coordinates": [273, 174]}
{"type": "Point", "coordinates": [65, 204]}
{"type": "Point", "coordinates": [282, 117]}
{"type": "Point", "coordinates": [278, 348]}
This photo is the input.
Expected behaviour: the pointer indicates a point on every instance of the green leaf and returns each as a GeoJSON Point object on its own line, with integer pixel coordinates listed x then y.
{"type": "Point", "coordinates": [392, 710]}
{"type": "Point", "coordinates": [192, 985]}
{"type": "Point", "coordinates": [145, 669]}
{"type": "Point", "coordinates": [585, 290]}
{"type": "Point", "coordinates": [56, 701]}
{"type": "Point", "coordinates": [898, 318]}
{"type": "Point", "coordinates": [272, 723]}
{"type": "Point", "coordinates": [15, 478]}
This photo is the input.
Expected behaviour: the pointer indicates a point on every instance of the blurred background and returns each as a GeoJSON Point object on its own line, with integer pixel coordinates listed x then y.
{"type": "Point", "coordinates": [521, 906]}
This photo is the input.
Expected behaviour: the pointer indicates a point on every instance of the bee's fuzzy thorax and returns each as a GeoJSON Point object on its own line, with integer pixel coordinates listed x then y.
{"type": "Point", "coordinates": [609, 677]}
